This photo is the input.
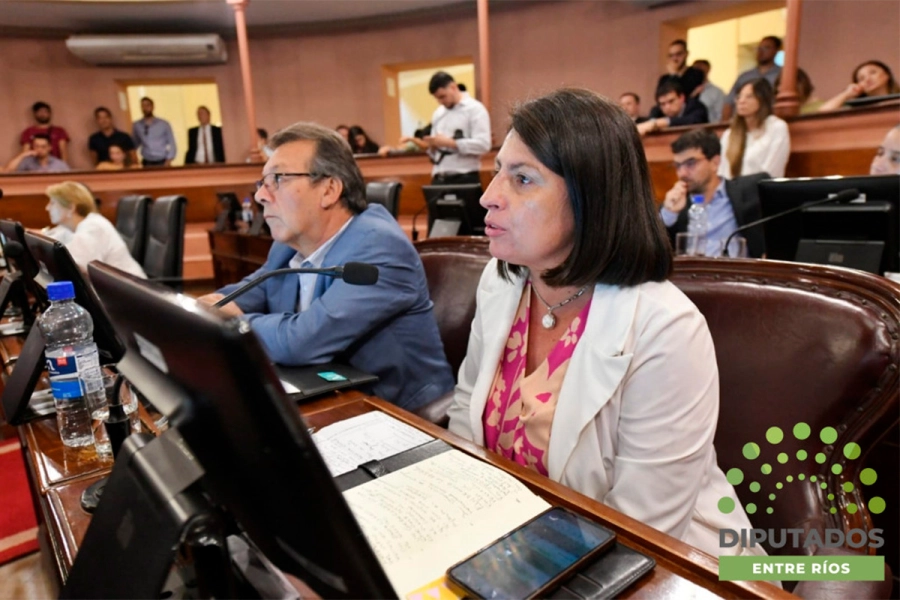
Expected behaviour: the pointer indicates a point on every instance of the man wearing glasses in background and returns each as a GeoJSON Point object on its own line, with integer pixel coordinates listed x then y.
{"type": "Point", "coordinates": [154, 137]}
{"type": "Point", "coordinates": [729, 204]}
{"type": "Point", "coordinates": [677, 69]}
{"type": "Point", "coordinates": [313, 198]}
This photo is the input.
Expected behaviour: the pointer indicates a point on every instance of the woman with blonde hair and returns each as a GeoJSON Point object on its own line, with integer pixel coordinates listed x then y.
{"type": "Point", "coordinates": [757, 141]}
{"type": "Point", "coordinates": [93, 237]}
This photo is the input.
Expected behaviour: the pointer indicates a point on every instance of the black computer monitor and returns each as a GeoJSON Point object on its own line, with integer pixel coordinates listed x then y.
{"type": "Point", "coordinates": [260, 462]}
{"type": "Point", "coordinates": [58, 265]}
{"type": "Point", "coordinates": [454, 209]}
{"type": "Point", "coordinates": [23, 263]}
{"type": "Point", "coordinates": [20, 403]}
{"type": "Point", "coordinates": [860, 235]}
{"type": "Point", "coordinates": [228, 212]}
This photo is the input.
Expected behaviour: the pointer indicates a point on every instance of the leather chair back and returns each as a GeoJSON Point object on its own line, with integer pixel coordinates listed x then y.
{"type": "Point", "coordinates": [386, 193]}
{"type": "Point", "coordinates": [164, 251]}
{"type": "Point", "coordinates": [453, 267]}
{"type": "Point", "coordinates": [131, 223]}
{"type": "Point", "coordinates": [798, 343]}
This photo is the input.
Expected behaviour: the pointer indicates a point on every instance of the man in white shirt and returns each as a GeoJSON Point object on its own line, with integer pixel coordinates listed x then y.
{"type": "Point", "coordinates": [460, 133]}
{"type": "Point", "coordinates": [204, 142]}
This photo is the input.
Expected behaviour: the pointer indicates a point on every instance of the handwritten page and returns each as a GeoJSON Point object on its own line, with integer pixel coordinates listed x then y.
{"type": "Point", "coordinates": [373, 436]}
{"type": "Point", "coordinates": [426, 517]}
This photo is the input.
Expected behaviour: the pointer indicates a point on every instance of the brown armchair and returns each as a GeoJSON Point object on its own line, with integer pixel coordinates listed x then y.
{"type": "Point", "coordinates": [453, 267]}
{"type": "Point", "coordinates": [799, 343]}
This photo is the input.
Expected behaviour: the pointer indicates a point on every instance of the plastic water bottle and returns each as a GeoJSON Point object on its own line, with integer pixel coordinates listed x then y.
{"type": "Point", "coordinates": [698, 222]}
{"type": "Point", "coordinates": [72, 362]}
{"type": "Point", "coordinates": [247, 211]}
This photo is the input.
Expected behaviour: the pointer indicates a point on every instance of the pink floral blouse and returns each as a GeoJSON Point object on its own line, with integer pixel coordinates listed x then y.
{"type": "Point", "coordinates": [520, 408]}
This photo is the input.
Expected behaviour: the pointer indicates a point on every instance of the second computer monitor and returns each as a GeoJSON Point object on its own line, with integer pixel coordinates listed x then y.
{"type": "Point", "coordinates": [454, 209]}
{"type": "Point", "coordinates": [210, 375]}
{"type": "Point", "coordinates": [861, 235]}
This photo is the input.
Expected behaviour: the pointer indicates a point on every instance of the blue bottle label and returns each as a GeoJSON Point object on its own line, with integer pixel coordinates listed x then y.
{"type": "Point", "coordinates": [66, 389]}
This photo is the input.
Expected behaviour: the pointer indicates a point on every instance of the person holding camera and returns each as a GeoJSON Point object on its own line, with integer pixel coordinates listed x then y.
{"type": "Point", "coordinates": [460, 133]}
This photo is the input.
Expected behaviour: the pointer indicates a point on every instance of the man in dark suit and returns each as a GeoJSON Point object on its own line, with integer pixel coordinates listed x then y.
{"type": "Point", "coordinates": [204, 142]}
{"type": "Point", "coordinates": [673, 109]}
{"type": "Point", "coordinates": [729, 204]}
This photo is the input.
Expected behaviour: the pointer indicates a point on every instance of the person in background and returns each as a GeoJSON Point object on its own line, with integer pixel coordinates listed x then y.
{"type": "Point", "coordinates": [805, 88]}
{"type": "Point", "coordinates": [106, 136]}
{"type": "Point", "coordinates": [729, 203]}
{"type": "Point", "coordinates": [887, 158]}
{"type": "Point", "coordinates": [360, 142]}
{"type": "Point", "coordinates": [871, 79]}
{"type": "Point", "coordinates": [709, 93]}
{"type": "Point", "coordinates": [59, 138]}
{"type": "Point", "coordinates": [460, 133]}
{"type": "Point", "coordinates": [314, 200]}
{"type": "Point", "coordinates": [407, 145]}
{"type": "Point", "coordinates": [765, 68]}
{"type": "Point", "coordinates": [677, 69]}
{"type": "Point", "coordinates": [673, 109]}
{"type": "Point", "coordinates": [756, 141]}
{"type": "Point", "coordinates": [585, 364]}
{"type": "Point", "coordinates": [72, 206]}
{"type": "Point", "coordinates": [344, 131]}
{"type": "Point", "coordinates": [37, 159]}
{"type": "Point", "coordinates": [154, 137]}
{"type": "Point", "coordinates": [262, 142]}
{"type": "Point", "coordinates": [118, 159]}
{"type": "Point", "coordinates": [631, 104]}
{"type": "Point", "coordinates": [204, 141]}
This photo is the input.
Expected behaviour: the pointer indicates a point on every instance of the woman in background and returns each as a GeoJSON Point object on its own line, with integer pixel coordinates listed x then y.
{"type": "Point", "coordinates": [118, 160]}
{"type": "Point", "coordinates": [871, 79]}
{"type": "Point", "coordinates": [93, 237]}
{"type": "Point", "coordinates": [360, 142]}
{"type": "Point", "coordinates": [584, 363]}
{"type": "Point", "coordinates": [757, 141]}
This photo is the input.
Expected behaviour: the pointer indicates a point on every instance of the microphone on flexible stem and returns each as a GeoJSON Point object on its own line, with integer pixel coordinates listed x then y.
{"type": "Point", "coordinates": [839, 198]}
{"type": "Point", "coordinates": [415, 232]}
{"type": "Point", "coordinates": [354, 273]}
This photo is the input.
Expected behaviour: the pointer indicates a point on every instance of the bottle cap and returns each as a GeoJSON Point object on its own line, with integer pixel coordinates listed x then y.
{"type": "Point", "coordinates": [697, 198]}
{"type": "Point", "coordinates": [60, 290]}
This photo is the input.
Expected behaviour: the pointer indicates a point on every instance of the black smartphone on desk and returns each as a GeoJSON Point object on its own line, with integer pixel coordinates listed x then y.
{"type": "Point", "coordinates": [530, 560]}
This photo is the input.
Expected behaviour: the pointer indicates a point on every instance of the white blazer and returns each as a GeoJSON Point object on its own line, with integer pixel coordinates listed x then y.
{"type": "Point", "coordinates": [637, 411]}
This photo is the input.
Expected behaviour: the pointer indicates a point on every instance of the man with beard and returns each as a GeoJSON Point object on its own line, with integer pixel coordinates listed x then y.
{"type": "Point", "coordinates": [59, 139]}
{"type": "Point", "coordinates": [154, 137]}
{"type": "Point", "coordinates": [677, 69]}
{"type": "Point", "coordinates": [729, 204]}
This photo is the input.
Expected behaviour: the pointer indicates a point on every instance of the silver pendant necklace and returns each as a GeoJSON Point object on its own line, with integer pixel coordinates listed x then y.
{"type": "Point", "coordinates": [549, 320]}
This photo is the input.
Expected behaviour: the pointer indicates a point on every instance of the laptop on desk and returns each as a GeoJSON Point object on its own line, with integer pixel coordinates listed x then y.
{"type": "Point", "coordinates": [304, 383]}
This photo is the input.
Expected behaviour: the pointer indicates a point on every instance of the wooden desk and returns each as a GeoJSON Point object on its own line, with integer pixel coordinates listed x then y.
{"type": "Point", "coordinates": [681, 571]}
{"type": "Point", "coordinates": [236, 255]}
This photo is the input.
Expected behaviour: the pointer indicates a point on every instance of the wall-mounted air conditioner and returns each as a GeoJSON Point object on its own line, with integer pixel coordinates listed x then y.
{"type": "Point", "coordinates": [168, 49]}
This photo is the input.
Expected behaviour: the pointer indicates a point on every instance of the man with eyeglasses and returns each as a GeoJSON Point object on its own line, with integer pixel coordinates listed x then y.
{"type": "Point", "coordinates": [729, 203]}
{"type": "Point", "coordinates": [154, 137]}
{"type": "Point", "coordinates": [677, 69]}
{"type": "Point", "coordinates": [313, 198]}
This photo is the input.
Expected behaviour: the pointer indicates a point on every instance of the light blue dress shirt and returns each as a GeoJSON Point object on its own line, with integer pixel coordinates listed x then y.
{"type": "Point", "coordinates": [155, 139]}
{"type": "Point", "coordinates": [719, 216]}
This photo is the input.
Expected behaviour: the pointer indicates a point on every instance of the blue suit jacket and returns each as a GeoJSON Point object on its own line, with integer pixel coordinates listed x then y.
{"type": "Point", "coordinates": [387, 329]}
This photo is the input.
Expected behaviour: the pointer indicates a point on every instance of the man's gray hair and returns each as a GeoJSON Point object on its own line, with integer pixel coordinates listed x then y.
{"type": "Point", "coordinates": [333, 158]}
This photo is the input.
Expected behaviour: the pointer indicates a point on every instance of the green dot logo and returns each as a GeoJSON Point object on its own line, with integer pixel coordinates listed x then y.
{"type": "Point", "coordinates": [801, 431]}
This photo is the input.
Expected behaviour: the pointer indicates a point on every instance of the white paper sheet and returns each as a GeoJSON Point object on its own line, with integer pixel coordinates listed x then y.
{"type": "Point", "coordinates": [372, 436]}
{"type": "Point", "coordinates": [422, 519]}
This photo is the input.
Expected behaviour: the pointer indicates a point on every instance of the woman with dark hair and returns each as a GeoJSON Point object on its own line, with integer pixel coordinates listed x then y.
{"type": "Point", "coordinates": [360, 142]}
{"type": "Point", "coordinates": [757, 141]}
{"type": "Point", "coordinates": [871, 79]}
{"type": "Point", "coordinates": [584, 364]}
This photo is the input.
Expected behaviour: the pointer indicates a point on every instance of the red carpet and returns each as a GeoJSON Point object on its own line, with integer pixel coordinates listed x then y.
{"type": "Point", "coordinates": [18, 527]}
